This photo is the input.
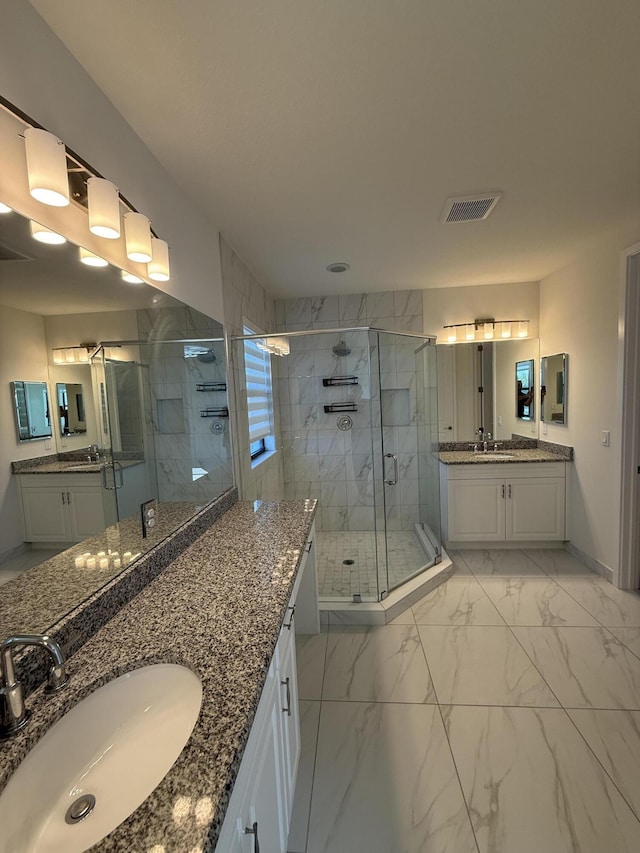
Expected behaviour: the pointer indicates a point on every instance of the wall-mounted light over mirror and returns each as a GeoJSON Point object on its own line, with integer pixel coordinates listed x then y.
{"type": "Point", "coordinates": [553, 389]}
{"type": "Point", "coordinates": [525, 390]}
{"type": "Point", "coordinates": [32, 410]}
{"type": "Point", "coordinates": [486, 329]}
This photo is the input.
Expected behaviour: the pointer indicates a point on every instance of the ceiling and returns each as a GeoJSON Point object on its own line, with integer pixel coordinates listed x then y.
{"type": "Point", "coordinates": [311, 132]}
{"type": "Point", "coordinates": [49, 280]}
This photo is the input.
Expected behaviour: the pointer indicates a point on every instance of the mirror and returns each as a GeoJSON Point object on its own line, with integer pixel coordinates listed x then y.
{"type": "Point", "coordinates": [71, 411]}
{"type": "Point", "coordinates": [476, 389]}
{"type": "Point", "coordinates": [553, 388]}
{"type": "Point", "coordinates": [137, 401]}
{"type": "Point", "coordinates": [525, 382]}
{"type": "Point", "coordinates": [31, 406]}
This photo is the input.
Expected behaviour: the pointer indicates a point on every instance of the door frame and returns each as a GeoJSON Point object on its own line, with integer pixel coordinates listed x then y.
{"type": "Point", "coordinates": [629, 394]}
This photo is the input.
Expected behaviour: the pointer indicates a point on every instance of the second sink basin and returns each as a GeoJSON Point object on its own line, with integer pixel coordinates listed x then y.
{"type": "Point", "coordinates": [494, 455]}
{"type": "Point", "coordinates": [97, 764]}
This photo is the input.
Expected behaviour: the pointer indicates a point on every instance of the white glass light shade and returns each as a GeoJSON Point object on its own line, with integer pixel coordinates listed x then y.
{"type": "Point", "coordinates": [58, 356]}
{"type": "Point", "coordinates": [523, 328]}
{"type": "Point", "coordinates": [130, 278]}
{"type": "Point", "coordinates": [158, 268]}
{"type": "Point", "coordinates": [104, 208]}
{"type": "Point", "coordinates": [488, 331]}
{"type": "Point", "coordinates": [70, 356]}
{"type": "Point", "coordinates": [91, 260]}
{"type": "Point", "coordinates": [4, 208]}
{"type": "Point", "coordinates": [505, 331]}
{"type": "Point", "coordinates": [470, 332]}
{"type": "Point", "coordinates": [47, 167]}
{"type": "Point", "coordinates": [45, 235]}
{"type": "Point", "coordinates": [451, 335]}
{"type": "Point", "coordinates": [83, 355]}
{"type": "Point", "coordinates": [137, 235]}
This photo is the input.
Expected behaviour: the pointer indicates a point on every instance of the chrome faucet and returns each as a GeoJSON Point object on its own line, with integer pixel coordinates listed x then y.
{"type": "Point", "coordinates": [13, 714]}
{"type": "Point", "coordinates": [485, 443]}
{"type": "Point", "coordinates": [94, 450]}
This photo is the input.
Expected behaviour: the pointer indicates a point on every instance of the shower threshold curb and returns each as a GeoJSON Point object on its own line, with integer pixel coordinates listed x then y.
{"type": "Point", "coordinates": [398, 600]}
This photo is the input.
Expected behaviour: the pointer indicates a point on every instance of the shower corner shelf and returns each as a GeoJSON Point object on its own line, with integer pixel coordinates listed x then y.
{"type": "Point", "coordinates": [331, 381]}
{"type": "Point", "coordinates": [211, 386]}
{"type": "Point", "coordinates": [340, 407]}
{"type": "Point", "coordinates": [222, 412]}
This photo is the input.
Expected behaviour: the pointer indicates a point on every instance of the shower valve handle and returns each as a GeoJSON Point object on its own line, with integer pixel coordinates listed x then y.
{"type": "Point", "coordinates": [393, 482]}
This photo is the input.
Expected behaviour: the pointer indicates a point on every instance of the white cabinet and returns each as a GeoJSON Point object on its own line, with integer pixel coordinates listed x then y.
{"type": "Point", "coordinates": [63, 508]}
{"type": "Point", "coordinates": [261, 802]}
{"type": "Point", "coordinates": [516, 502]}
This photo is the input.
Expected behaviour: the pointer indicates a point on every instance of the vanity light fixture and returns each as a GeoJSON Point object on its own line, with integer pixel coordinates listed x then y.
{"type": "Point", "coordinates": [73, 355]}
{"type": "Point", "coordinates": [104, 208]}
{"type": "Point", "coordinates": [137, 234]}
{"type": "Point", "coordinates": [91, 260]}
{"type": "Point", "coordinates": [4, 208]}
{"type": "Point", "coordinates": [274, 346]}
{"type": "Point", "coordinates": [486, 328]}
{"type": "Point", "coordinates": [45, 235]}
{"type": "Point", "coordinates": [46, 167]}
{"type": "Point", "coordinates": [158, 268]}
{"type": "Point", "coordinates": [130, 278]}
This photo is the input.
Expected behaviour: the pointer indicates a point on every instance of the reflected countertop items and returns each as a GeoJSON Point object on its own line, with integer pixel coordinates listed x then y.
{"type": "Point", "coordinates": [545, 452]}
{"type": "Point", "coordinates": [228, 594]}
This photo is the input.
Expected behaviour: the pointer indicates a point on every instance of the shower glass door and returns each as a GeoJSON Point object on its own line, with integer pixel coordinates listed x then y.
{"type": "Point", "coordinates": [408, 470]}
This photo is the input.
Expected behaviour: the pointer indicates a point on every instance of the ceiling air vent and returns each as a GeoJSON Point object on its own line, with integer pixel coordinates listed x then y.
{"type": "Point", "coordinates": [469, 208]}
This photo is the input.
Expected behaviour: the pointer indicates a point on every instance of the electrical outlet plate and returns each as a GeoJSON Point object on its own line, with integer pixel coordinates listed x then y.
{"type": "Point", "coordinates": [148, 516]}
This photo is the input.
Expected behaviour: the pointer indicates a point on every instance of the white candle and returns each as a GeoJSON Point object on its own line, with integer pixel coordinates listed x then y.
{"type": "Point", "coordinates": [91, 563]}
{"type": "Point", "coordinates": [104, 562]}
{"type": "Point", "coordinates": [80, 562]}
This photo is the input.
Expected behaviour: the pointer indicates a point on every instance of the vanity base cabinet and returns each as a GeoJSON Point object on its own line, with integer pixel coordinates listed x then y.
{"type": "Point", "coordinates": [525, 504]}
{"type": "Point", "coordinates": [66, 509]}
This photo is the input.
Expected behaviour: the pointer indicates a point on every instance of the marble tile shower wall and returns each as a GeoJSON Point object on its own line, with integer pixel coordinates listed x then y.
{"type": "Point", "coordinates": [246, 299]}
{"type": "Point", "coordinates": [192, 454]}
{"type": "Point", "coordinates": [337, 466]}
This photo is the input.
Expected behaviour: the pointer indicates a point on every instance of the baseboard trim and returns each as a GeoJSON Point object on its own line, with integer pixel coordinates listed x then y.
{"type": "Point", "coordinates": [13, 552]}
{"type": "Point", "coordinates": [605, 571]}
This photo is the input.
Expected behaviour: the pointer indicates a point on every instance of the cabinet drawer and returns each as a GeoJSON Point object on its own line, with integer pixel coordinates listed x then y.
{"type": "Point", "coordinates": [505, 470]}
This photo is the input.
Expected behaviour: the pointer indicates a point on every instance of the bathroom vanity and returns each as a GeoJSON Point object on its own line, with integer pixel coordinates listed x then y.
{"type": "Point", "coordinates": [519, 497]}
{"type": "Point", "coordinates": [227, 608]}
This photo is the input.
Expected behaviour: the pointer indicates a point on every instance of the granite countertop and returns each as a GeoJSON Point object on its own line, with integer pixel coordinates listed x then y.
{"type": "Point", "coordinates": [218, 609]}
{"type": "Point", "coordinates": [75, 467]}
{"type": "Point", "coordinates": [468, 457]}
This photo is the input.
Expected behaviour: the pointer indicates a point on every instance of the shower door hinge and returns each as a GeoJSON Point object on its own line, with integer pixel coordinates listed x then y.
{"type": "Point", "coordinates": [383, 594]}
{"type": "Point", "coordinates": [357, 598]}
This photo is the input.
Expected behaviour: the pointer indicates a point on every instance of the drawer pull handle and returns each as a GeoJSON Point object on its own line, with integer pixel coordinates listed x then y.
{"type": "Point", "coordinates": [309, 546]}
{"type": "Point", "coordinates": [509, 491]}
{"type": "Point", "coordinates": [253, 830]}
{"type": "Point", "coordinates": [288, 624]}
{"type": "Point", "coordinates": [287, 710]}
{"type": "Point", "coordinates": [503, 491]}
{"type": "Point", "coordinates": [68, 497]}
{"type": "Point", "coordinates": [63, 500]}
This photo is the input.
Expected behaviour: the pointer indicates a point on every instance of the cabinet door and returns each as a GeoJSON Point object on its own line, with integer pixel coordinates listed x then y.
{"type": "Point", "coordinates": [536, 508]}
{"type": "Point", "coordinates": [86, 512]}
{"type": "Point", "coordinates": [476, 510]}
{"type": "Point", "coordinates": [290, 722]}
{"type": "Point", "coordinates": [45, 515]}
{"type": "Point", "coordinates": [268, 805]}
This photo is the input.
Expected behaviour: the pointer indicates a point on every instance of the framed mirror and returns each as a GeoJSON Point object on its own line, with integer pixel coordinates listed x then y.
{"type": "Point", "coordinates": [525, 390]}
{"type": "Point", "coordinates": [553, 388]}
{"type": "Point", "coordinates": [71, 408]}
{"type": "Point", "coordinates": [31, 409]}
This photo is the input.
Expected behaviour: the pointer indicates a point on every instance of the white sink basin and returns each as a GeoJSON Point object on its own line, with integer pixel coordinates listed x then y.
{"type": "Point", "coordinates": [495, 457]}
{"type": "Point", "coordinates": [116, 745]}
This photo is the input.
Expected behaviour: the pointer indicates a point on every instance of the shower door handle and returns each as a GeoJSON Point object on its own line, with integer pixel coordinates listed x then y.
{"type": "Point", "coordinates": [393, 482]}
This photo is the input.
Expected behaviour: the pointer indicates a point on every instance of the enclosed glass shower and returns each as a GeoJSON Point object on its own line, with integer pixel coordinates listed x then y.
{"type": "Point", "coordinates": [356, 422]}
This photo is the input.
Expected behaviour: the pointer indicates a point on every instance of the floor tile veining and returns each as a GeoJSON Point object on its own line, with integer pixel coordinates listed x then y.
{"type": "Point", "coordinates": [500, 714]}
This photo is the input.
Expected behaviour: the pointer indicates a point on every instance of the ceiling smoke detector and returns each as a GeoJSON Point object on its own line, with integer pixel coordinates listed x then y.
{"type": "Point", "coordinates": [469, 208]}
{"type": "Point", "coordinates": [339, 266]}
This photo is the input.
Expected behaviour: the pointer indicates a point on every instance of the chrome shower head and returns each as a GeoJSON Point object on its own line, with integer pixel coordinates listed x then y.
{"type": "Point", "coordinates": [341, 349]}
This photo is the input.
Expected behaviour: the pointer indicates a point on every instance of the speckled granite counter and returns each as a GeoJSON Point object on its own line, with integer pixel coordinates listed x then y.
{"type": "Point", "coordinates": [74, 466]}
{"type": "Point", "coordinates": [218, 609]}
{"type": "Point", "coordinates": [468, 457]}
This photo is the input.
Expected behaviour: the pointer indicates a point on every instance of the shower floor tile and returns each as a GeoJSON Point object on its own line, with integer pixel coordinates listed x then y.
{"type": "Point", "coordinates": [340, 579]}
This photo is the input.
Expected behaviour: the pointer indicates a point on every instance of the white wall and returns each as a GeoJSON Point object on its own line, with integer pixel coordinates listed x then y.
{"type": "Point", "coordinates": [447, 305]}
{"type": "Point", "coordinates": [579, 316]}
{"type": "Point", "coordinates": [23, 355]}
{"type": "Point", "coordinates": [40, 76]}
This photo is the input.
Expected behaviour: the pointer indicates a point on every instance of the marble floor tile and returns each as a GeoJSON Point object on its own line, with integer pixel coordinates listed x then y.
{"type": "Point", "coordinates": [385, 783]}
{"type": "Point", "coordinates": [298, 828]}
{"type": "Point", "coordinates": [585, 667]}
{"type": "Point", "coordinates": [458, 601]}
{"type": "Point", "coordinates": [310, 657]}
{"type": "Point", "coordinates": [473, 665]}
{"type": "Point", "coordinates": [376, 664]}
{"type": "Point", "coordinates": [534, 601]}
{"type": "Point", "coordinates": [506, 562]}
{"type": "Point", "coordinates": [609, 605]}
{"type": "Point", "coordinates": [404, 618]}
{"type": "Point", "coordinates": [460, 568]}
{"type": "Point", "coordinates": [629, 637]}
{"type": "Point", "coordinates": [558, 562]}
{"type": "Point", "coordinates": [532, 784]}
